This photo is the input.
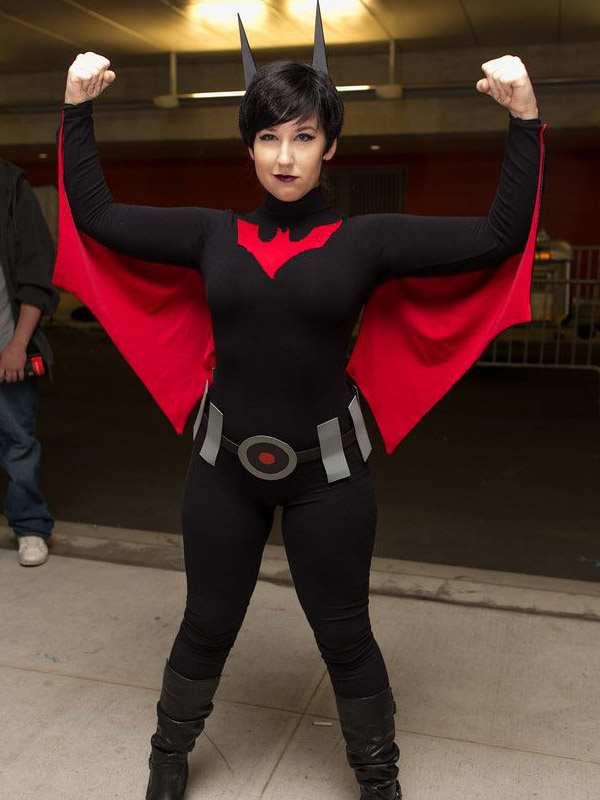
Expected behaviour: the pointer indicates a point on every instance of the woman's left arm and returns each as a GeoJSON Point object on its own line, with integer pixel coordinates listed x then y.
{"type": "Point", "coordinates": [433, 246]}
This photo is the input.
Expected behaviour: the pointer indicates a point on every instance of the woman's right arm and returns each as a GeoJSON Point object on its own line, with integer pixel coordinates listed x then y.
{"type": "Point", "coordinates": [168, 235]}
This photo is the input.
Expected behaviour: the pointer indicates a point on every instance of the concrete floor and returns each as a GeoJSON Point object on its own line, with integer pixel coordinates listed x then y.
{"type": "Point", "coordinates": [493, 704]}
{"type": "Point", "coordinates": [502, 475]}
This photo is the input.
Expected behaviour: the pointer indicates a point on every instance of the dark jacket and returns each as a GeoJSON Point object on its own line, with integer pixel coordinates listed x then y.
{"type": "Point", "coordinates": [26, 252]}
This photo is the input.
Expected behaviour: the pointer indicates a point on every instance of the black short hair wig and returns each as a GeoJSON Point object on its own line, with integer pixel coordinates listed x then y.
{"type": "Point", "coordinates": [285, 90]}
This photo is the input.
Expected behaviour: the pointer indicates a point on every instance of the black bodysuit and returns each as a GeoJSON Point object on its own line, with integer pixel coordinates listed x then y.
{"type": "Point", "coordinates": [280, 342]}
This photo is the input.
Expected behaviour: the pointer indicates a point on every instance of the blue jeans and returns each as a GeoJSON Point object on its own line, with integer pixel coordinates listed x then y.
{"type": "Point", "coordinates": [25, 507]}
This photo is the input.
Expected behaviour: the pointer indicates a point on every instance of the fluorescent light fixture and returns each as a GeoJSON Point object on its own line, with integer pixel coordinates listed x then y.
{"type": "Point", "coordinates": [241, 92]}
{"type": "Point", "coordinates": [202, 95]}
{"type": "Point", "coordinates": [358, 88]}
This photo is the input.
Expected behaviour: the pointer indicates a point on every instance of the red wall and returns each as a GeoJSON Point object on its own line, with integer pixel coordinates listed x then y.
{"type": "Point", "coordinates": [454, 182]}
{"type": "Point", "coordinates": [460, 183]}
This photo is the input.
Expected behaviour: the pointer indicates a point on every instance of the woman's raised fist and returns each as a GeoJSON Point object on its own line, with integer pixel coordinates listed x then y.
{"type": "Point", "coordinates": [507, 81]}
{"type": "Point", "coordinates": [88, 77]}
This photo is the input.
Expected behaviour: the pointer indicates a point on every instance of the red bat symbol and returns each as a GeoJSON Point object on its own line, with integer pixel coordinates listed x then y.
{"type": "Point", "coordinates": [273, 254]}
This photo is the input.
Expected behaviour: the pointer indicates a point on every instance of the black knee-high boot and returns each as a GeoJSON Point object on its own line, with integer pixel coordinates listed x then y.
{"type": "Point", "coordinates": [182, 709]}
{"type": "Point", "coordinates": [368, 727]}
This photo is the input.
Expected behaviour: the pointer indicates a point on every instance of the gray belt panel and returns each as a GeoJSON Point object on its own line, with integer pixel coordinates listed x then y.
{"type": "Point", "coordinates": [362, 437]}
{"type": "Point", "coordinates": [212, 440]}
{"type": "Point", "coordinates": [200, 412]}
{"type": "Point", "coordinates": [332, 450]}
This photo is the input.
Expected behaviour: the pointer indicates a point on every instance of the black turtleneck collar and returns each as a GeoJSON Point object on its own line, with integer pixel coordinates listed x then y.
{"type": "Point", "coordinates": [310, 203]}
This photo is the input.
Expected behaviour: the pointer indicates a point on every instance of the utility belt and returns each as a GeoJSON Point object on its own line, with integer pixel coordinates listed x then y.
{"type": "Point", "coordinates": [273, 459]}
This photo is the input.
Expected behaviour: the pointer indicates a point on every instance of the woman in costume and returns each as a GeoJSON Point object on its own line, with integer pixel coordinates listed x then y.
{"type": "Point", "coordinates": [280, 424]}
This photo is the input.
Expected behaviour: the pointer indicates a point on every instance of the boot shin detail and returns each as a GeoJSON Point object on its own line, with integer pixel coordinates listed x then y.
{"type": "Point", "coordinates": [182, 710]}
{"type": "Point", "coordinates": [368, 727]}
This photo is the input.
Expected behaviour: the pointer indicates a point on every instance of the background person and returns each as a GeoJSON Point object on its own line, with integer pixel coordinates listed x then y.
{"type": "Point", "coordinates": [26, 292]}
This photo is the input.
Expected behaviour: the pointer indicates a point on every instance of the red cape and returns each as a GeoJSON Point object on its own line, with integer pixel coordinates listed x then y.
{"type": "Point", "coordinates": [418, 336]}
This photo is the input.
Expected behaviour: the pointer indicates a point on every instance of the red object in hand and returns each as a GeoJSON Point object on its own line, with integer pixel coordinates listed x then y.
{"type": "Point", "coordinates": [34, 366]}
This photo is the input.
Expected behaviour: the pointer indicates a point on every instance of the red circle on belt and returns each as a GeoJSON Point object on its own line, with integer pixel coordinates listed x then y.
{"type": "Point", "coordinates": [266, 458]}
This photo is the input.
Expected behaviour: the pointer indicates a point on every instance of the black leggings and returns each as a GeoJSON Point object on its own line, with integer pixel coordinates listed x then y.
{"type": "Point", "coordinates": [328, 531]}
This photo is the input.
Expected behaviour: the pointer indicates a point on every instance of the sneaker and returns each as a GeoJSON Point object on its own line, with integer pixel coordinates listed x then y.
{"type": "Point", "coordinates": [33, 550]}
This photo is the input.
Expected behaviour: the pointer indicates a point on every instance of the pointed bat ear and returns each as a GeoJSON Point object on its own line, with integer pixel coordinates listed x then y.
{"type": "Point", "coordinates": [247, 60]}
{"type": "Point", "coordinates": [319, 54]}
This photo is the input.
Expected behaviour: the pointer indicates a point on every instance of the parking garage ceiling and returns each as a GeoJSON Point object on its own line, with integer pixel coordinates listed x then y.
{"type": "Point", "coordinates": [43, 34]}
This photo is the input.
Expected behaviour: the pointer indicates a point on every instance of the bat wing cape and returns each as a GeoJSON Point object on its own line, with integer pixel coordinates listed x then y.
{"type": "Point", "coordinates": [417, 337]}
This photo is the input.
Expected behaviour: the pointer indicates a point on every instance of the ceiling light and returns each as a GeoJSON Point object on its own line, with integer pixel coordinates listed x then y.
{"type": "Point", "coordinates": [252, 12]}
{"type": "Point", "coordinates": [175, 100]}
{"type": "Point", "coordinates": [168, 101]}
{"type": "Point", "coordinates": [202, 95]}
{"type": "Point", "coordinates": [374, 147]}
{"type": "Point", "coordinates": [332, 9]}
{"type": "Point", "coordinates": [362, 87]}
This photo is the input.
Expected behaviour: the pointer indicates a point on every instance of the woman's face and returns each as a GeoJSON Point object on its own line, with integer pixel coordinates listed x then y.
{"type": "Point", "coordinates": [291, 148]}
